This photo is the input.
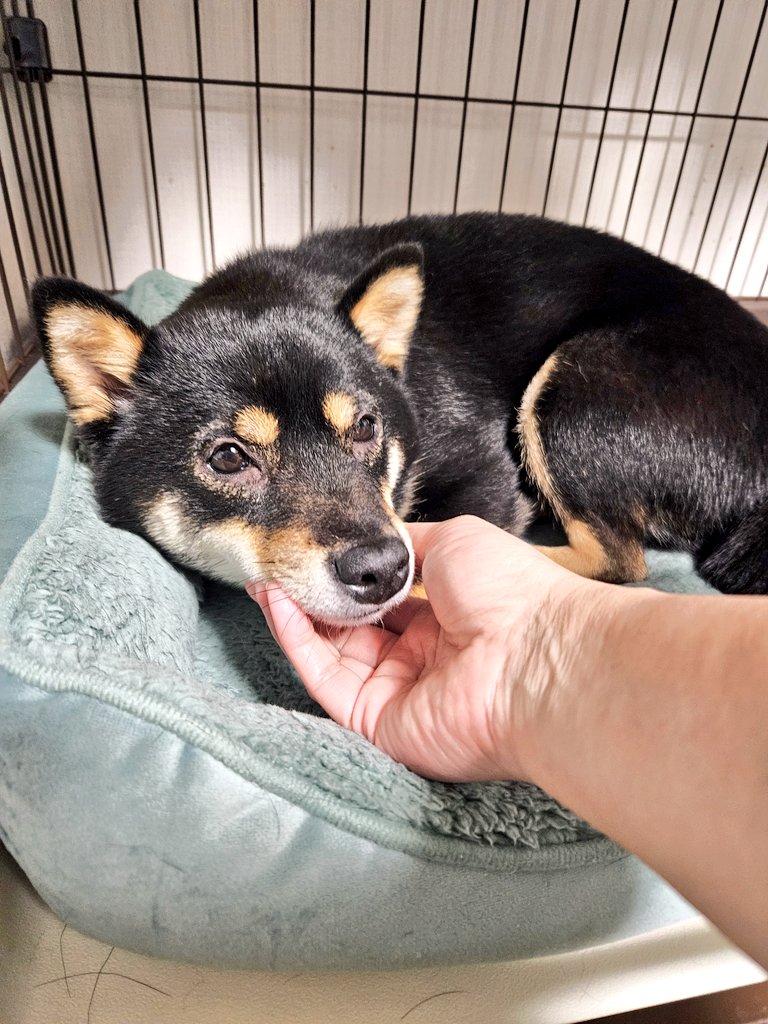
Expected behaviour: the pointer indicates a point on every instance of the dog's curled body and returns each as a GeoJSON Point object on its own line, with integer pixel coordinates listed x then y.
{"type": "Point", "coordinates": [302, 401]}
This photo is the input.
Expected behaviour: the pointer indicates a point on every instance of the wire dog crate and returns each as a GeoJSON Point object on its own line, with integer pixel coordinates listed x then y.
{"type": "Point", "coordinates": [175, 133]}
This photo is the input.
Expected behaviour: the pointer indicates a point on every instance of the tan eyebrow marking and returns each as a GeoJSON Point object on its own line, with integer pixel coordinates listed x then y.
{"type": "Point", "coordinates": [340, 410]}
{"type": "Point", "coordinates": [257, 425]}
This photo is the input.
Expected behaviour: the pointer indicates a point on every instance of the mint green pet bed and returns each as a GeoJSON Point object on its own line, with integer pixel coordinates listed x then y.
{"type": "Point", "coordinates": [168, 786]}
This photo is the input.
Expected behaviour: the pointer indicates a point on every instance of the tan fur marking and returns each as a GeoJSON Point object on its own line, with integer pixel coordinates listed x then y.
{"type": "Point", "coordinates": [85, 345]}
{"type": "Point", "coordinates": [534, 459]}
{"type": "Point", "coordinates": [237, 551]}
{"type": "Point", "coordinates": [234, 550]}
{"type": "Point", "coordinates": [340, 410]}
{"type": "Point", "coordinates": [394, 469]}
{"type": "Point", "coordinates": [613, 560]}
{"type": "Point", "coordinates": [257, 425]}
{"type": "Point", "coordinates": [387, 313]}
{"type": "Point", "coordinates": [419, 590]}
{"type": "Point", "coordinates": [586, 555]}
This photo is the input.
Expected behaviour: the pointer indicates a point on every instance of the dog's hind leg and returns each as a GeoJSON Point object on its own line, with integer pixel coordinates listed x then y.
{"type": "Point", "coordinates": [594, 549]}
{"type": "Point", "coordinates": [599, 554]}
{"type": "Point", "coordinates": [737, 561]}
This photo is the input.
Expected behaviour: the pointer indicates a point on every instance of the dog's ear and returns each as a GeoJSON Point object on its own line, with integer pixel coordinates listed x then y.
{"type": "Point", "coordinates": [385, 301]}
{"type": "Point", "coordinates": [91, 345]}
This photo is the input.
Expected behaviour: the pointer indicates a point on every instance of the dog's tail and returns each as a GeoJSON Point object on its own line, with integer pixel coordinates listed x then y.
{"type": "Point", "coordinates": [737, 561]}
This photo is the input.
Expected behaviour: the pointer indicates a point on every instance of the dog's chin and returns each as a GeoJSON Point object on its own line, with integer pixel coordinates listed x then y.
{"type": "Point", "coordinates": [340, 610]}
{"type": "Point", "coordinates": [361, 614]}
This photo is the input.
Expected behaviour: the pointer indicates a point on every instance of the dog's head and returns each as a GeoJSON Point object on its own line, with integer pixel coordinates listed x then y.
{"type": "Point", "coordinates": [276, 446]}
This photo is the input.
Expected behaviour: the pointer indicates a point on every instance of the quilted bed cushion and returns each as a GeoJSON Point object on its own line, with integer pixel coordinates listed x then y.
{"type": "Point", "coordinates": [168, 786]}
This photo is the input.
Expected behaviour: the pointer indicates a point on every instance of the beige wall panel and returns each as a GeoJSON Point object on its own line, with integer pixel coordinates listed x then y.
{"type": "Point", "coordinates": [597, 36]}
{"type": "Point", "coordinates": [530, 153]}
{"type": "Point", "coordinates": [387, 158]}
{"type": "Point", "coordinates": [447, 26]}
{"type": "Point", "coordinates": [234, 167]}
{"type": "Point", "coordinates": [338, 129]}
{"type": "Point", "coordinates": [497, 43]}
{"type": "Point", "coordinates": [226, 39]}
{"type": "Point", "coordinates": [78, 181]}
{"type": "Point", "coordinates": [340, 43]}
{"type": "Point", "coordinates": [437, 151]}
{"type": "Point", "coordinates": [686, 54]}
{"type": "Point", "coordinates": [482, 162]}
{"type": "Point", "coordinates": [575, 156]}
{"type": "Point", "coordinates": [285, 140]}
{"type": "Point", "coordinates": [546, 49]}
{"type": "Point", "coordinates": [700, 171]}
{"type": "Point", "coordinates": [656, 180]}
{"type": "Point", "coordinates": [181, 178]}
{"type": "Point", "coordinates": [110, 40]}
{"type": "Point", "coordinates": [394, 44]}
{"type": "Point", "coordinates": [731, 204]}
{"type": "Point", "coordinates": [284, 34]}
{"type": "Point", "coordinates": [120, 128]}
{"type": "Point", "coordinates": [749, 272]}
{"type": "Point", "coordinates": [730, 56]}
{"type": "Point", "coordinates": [168, 29]}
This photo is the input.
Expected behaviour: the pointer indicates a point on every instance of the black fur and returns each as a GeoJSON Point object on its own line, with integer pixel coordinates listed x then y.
{"type": "Point", "coordinates": [654, 422]}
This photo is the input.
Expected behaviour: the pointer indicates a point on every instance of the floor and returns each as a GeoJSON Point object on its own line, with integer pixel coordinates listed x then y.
{"type": "Point", "coordinates": [745, 1005]}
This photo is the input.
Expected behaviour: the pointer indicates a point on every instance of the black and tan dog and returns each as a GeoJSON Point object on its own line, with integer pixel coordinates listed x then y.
{"type": "Point", "coordinates": [303, 402]}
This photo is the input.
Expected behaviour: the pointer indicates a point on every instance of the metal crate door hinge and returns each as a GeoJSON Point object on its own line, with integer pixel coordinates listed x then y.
{"type": "Point", "coordinates": [27, 48]}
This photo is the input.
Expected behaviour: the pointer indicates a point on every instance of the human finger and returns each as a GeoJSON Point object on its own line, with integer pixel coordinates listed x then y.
{"type": "Point", "coordinates": [333, 677]}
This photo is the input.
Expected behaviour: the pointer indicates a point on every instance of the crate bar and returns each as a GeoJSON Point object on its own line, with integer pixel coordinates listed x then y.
{"type": "Point", "coordinates": [366, 56]}
{"type": "Point", "coordinates": [5, 384]}
{"type": "Point", "coordinates": [464, 105]}
{"type": "Point", "coordinates": [17, 342]}
{"type": "Point", "coordinates": [312, 115]}
{"type": "Point", "coordinates": [48, 230]}
{"type": "Point", "coordinates": [415, 105]}
{"type": "Point", "coordinates": [561, 104]}
{"type": "Point", "coordinates": [145, 79]}
{"type": "Point", "coordinates": [204, 129]}
{"type": "Point", "coordinates": [693, 115]}
{"type": "Point", "coordinates": [94, 148]}
{"type": "Point", "coordinates": [51, 139]}
{"type": "Point", "coordinates": [56, 175]}
{"type": "Point", "coordinates": [349, 90]}
{"type": "Point", "coordinates": [734, 122]}
{"type": "Point", "coordinates": [58, 263]}
{"type": "Point", "coordinates": [647, 131]}
{"type": "Point", "coordinates": [19, 178]}
{"type": "Point", "coordinates": [257, 84]}
{"type": "Point", "coordinates": [612, 82]}
{"type": "Point", "coordinates": [14, 232]}
{"type": "Point", "coordinates": [513, 104]}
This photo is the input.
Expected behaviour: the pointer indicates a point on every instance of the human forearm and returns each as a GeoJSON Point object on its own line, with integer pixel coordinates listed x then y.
{"type": "Point", "coordinates": [657, 733]}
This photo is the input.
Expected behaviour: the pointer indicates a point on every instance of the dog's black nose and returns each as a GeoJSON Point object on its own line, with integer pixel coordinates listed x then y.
{"type": "Point", "coordinates": [374, 572]}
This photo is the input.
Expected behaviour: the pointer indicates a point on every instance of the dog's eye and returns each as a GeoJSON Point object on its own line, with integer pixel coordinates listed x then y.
{"type": "Point", "coordinates": [364, 429]}
{"type": "Point", "coordinates": [229, 458]}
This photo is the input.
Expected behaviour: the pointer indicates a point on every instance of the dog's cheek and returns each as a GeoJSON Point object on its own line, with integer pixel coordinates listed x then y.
{"type": "Point", "coordinates": [229, 551]}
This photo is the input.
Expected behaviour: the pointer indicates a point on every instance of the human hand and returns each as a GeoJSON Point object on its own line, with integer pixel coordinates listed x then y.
{"type": "Point", "coordinates": [453, 686]}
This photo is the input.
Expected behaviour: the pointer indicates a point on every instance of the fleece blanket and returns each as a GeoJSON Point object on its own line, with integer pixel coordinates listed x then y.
{"type": "Point", "coordinates": [98, 623]}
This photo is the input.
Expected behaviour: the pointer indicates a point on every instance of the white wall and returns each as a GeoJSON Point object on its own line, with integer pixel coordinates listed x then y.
{"type": "Point", "coordinates": [612, 155]}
